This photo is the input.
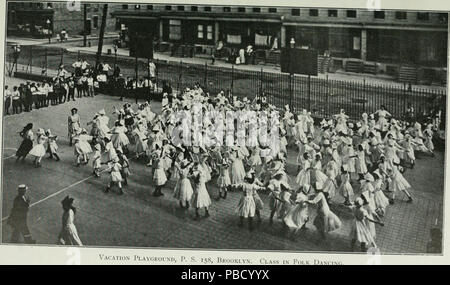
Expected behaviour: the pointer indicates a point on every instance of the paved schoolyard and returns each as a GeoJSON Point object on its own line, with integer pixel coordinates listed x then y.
{"type": "Point", "coordinates": [137, 219]}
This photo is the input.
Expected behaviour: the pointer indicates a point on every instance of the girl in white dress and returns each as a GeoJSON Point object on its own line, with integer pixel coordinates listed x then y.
{"type": "Point", "coordinates": [140, 137]}
{"type": "Point", "coordinates": [298, 215]}
{"type": "Point", "coordinates": [38, 151]}
{"type": "Point", "coordinates": [326, 221]}
{"type": "Point", "coordinates": [346, 189]}
{"type": "Point", "coordinates": [303, 177]}
{"type": "Point", "coordinates": [159, 175]}
{"type": "Point", "coordinates": [275, 186]}
{"type": "Point", "coordinates": [183, 190]}
{"type": "Point", "coordinates": [201, 197]}
{"type": "Point", "coordinates": [119, 138]}
{"type": "Point", "coordinates": [223, 181]}
{"type": "Point", "coordinates": [360, 231]}
{"type": "Point", "coordinates": [398, 183]}
{"type": "Point", "coordinates": [97, 160]}
{"type": "Point", "coordinates": [237, 172]}
{"type": "Point", "coordinates": [428, 135]}
{"type": "Point", "coordinates": [116, 177]}
{"type": "Point", "coordinates": [246, 208]}
{"type": "Point", "coordinates": [361, 167]}
{"type": "Point", "coordinates": [52, 146]}
{"type": "Point", "coordinates": [381, 202]}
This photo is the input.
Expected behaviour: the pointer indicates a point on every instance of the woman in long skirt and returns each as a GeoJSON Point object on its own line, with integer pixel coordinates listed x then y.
{"type": "Point", "coordinates": [119, 137]}
{"type": "Point", "coordinates": [69, 233]}
{"type": "Point", "coordinates": [326, 221]}
{"type": "Point", "coordinates": [346, 189]}
{"type": "Point", "coordinates": [27, 142]}
{"type": "Point", "coordinates": [201, 197]}
{"type": "Point", "coordinates": [73, 123]}
{"type": "Point", "coordinates": [183, 190]}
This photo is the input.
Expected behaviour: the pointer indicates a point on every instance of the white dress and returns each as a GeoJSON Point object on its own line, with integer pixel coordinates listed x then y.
{"type": "Point", "coordinates": [360, 227]}
{"type": "Point", "coordinates": [119, 138]}
{"type": "Point", "coordinates": [298, 215]}
{"type": "Point", "coordinates": [237, 172]}
{"type": "Point", "coordinates": [247, 206]}
{"type": "Point", "coordinates": [39, 149]}
{"type": "Point", "coordinates": [69, 234]}
{"type": "Point", "coordinates": [159, 176]}
{"type": "Point", "coordinates": [326, 220]}
{"type": "Point", "coordinates": [201, 197]}
{"type": "Point", "coordinates": [183, 190]}
{"type": "Point", "coordinates": [398, 182]}
{"type": "Point", "coordinates": [115, 172]}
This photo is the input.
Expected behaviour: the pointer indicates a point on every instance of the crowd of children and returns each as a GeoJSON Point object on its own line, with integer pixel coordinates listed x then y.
{"type": "Point", "coordinates": [357, 165]}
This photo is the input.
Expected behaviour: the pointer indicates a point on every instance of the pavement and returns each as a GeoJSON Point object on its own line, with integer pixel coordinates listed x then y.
{"type": "Point", "coordinates": [76, 45]}
{"type": "Point", "coordinates": [137, 219]}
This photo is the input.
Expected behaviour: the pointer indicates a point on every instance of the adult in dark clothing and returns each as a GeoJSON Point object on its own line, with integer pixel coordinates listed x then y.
{"type": "Point", "coordinates": [18, 217]}
{"type": "Point", "coordinates": [120, 88]}
{"type": "Point", "coordinates": [167, 88]}
{"type": "Point", "coordinates": [27, 143]}
{"type": "Point", "coordinates": [28, 97]}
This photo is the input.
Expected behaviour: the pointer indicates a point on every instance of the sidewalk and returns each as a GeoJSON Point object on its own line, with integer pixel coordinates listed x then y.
{"type": "Point", "coordinates": [339, 75]}
{"type": "Point", "coordinates": [53, 41]}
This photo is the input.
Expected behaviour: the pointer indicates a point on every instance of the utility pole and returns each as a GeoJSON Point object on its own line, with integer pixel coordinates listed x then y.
{"type": "Point", "coordinates": [85, 25]}
{"type": "Point", "coordinates": [102, 33]}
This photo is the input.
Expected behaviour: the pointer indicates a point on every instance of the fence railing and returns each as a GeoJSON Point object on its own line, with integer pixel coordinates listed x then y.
{"type": "Point", "coordinates": [322, 96]}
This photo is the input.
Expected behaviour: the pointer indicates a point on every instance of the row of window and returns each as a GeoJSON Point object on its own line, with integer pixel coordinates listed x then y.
{"type": "Point", "coordinates": [399, 15]}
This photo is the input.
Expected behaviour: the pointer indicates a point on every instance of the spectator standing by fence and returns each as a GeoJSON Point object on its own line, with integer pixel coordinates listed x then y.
{"type": "Point", "coordinates": [15, 97]}
{"type": "Point", "coordinates": [152, 69]}
{"type": "Point", "coordinates": [7, 102]}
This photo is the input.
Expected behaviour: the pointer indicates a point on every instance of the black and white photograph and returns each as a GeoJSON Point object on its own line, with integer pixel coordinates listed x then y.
{"type": "Point", "coordinates": [225, 127]}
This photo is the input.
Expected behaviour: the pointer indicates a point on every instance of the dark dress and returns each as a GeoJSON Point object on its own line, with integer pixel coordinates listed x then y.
{"type": "Point", "coordinates": [27, 143]}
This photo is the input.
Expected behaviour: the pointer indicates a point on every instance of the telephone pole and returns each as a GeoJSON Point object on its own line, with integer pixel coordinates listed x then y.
{"type": "Point", "coordinates": [102, 33]}
{"type": "Point", "coordinates": [85, 24]}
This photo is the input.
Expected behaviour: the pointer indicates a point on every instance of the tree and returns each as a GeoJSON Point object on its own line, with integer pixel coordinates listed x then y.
{"type": "Point", "coordinates": [102, 33]}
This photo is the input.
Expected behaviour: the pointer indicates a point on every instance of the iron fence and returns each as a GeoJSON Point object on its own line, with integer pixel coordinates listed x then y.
{"type": "Point", "coordinates": [322, 96]}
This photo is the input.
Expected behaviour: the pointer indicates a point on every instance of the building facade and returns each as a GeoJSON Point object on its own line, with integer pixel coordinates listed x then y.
{"type": "Point", "coordinates": [391, 37]}
{"type": "Point", "coordinates": [35, 19]}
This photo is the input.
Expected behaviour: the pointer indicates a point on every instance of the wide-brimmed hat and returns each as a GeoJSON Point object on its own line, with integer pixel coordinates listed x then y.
{"type": "Point", "coordinates": [102, 112]}
{"type": "Point", "coordinates": [359, 201]}
{"type": "Point", "coordinates": [74, 109]}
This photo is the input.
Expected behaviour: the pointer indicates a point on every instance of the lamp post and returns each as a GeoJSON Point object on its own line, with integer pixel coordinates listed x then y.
{"type": "Point", "coordinates": [16, 53]}
{"type": "Point", "coordinates": [48, 30]}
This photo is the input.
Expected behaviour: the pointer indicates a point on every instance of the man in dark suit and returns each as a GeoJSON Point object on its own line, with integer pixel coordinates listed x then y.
{"type": "Point", "coordinates": [28, 97]}
{"type": "Point", "coordinates": [18, 217]}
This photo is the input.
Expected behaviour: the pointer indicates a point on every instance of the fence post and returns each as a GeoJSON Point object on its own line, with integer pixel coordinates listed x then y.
{"type": "Point", "coordinates": [364, 95]}
{"type": "Point", "coordinates": [290, 92]}
{"type": "Point", "coordinates": [31, 59]}
{"type": "Point", "coordinates": [78, 54]}
{"type": "Point", "coordinates": [206, 75]}
{"type": "Point", "coordinates": [327, 97]}
{"type": "Point", "coordinates": [309, 92]}
{"type": "Point", "coordinates": [261, 81]}
{"type": "Point", "coordinates": [180, 76]}
{"type": "Point", "coordinates": [156, 75]}
{"type": "Point", "coordinates": [232, 78]}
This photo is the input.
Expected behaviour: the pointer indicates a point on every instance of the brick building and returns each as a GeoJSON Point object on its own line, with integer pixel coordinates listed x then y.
{"type": "Point", "coordinates": [33, 19]}
{"type": "Point", "coordinates": [378, 41]}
